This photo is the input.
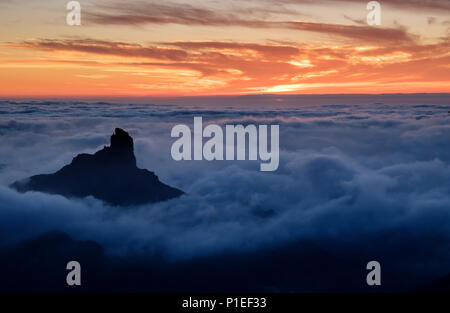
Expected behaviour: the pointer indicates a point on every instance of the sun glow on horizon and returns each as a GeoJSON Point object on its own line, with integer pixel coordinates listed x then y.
{"type": "Point", "coordinates": [162, 50]}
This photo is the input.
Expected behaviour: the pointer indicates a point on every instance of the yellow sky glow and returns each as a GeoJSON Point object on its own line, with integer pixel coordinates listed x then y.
{"type": "Point", "coordinates": [203, 48]}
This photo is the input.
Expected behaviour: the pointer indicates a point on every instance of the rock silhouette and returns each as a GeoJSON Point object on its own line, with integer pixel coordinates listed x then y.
{"type": "Point", "coordinates": [110, 175]}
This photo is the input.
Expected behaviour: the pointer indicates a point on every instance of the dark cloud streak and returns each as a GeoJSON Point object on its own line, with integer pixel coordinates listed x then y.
{"type": "Point", "coordinates": [185, 14]}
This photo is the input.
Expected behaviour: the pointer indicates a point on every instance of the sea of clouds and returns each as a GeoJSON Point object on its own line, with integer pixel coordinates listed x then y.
{"type": "Point", "coordinates": [367, 178]}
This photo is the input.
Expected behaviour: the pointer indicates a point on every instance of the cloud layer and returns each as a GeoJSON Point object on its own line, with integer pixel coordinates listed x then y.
{"type": "Point", "coordinates": [357, 180]}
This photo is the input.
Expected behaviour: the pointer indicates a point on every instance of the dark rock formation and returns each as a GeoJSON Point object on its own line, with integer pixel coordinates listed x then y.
{"type": "Point", "coordinates": [110, 175]}
{"type": "Point", "coordinates": [441, 285]}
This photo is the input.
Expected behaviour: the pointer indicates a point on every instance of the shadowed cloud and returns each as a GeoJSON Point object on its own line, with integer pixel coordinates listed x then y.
{"type": "Point", "coordinates": [185, 14]}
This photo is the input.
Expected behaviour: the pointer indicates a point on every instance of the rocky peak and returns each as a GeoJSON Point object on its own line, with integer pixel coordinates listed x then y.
{"type": "Point", "coordinates": [110, 175]}
{"type": "Point", "coordinates": [121, 150]}
{"type": "Point", "coordinates": [121, 142]}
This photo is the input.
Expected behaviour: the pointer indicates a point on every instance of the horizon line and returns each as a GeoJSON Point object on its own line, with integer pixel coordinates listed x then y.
{"type": "Point", "coordinates": [78, 97]}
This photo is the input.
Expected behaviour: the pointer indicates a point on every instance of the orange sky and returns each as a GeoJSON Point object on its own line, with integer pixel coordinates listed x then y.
{"type": "Point", "coordinates": [179, 48]}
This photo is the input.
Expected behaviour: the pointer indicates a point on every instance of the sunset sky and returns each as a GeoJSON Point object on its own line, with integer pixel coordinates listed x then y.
{"type": "Point", "coordinates": [193, 47]}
